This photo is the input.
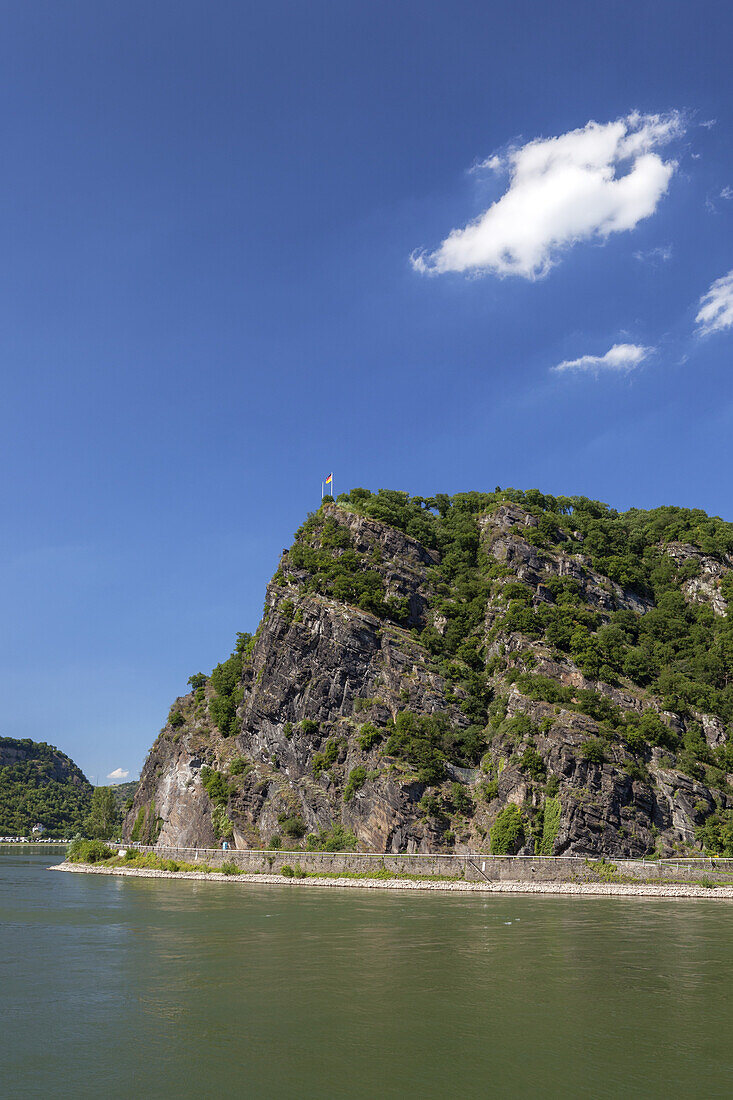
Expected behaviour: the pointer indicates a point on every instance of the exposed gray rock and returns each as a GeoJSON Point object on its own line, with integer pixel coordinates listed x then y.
{"type": "Point", "coordinates": [705, 587]}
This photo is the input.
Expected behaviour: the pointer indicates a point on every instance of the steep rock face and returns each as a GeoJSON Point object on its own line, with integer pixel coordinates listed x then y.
{"type": "Point", "coordinates": [326, 663]}
{"type": "Point", "coordinates": [326, 740]}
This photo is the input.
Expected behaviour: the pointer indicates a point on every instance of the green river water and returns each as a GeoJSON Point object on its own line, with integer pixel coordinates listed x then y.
{"type": "Point", "coordinates": [141, 988]}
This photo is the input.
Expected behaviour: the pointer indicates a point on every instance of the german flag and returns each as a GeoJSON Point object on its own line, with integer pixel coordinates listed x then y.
{"type": "Point", "coordinates": [329, 479]}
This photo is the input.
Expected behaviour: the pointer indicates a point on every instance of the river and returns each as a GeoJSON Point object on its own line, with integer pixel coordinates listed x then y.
{"type": "Point", "coordinates": [156, 988]}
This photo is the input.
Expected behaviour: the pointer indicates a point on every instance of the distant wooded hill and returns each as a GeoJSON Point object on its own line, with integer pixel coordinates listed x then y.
{"type": "Point", "coordinates": [40, 785]}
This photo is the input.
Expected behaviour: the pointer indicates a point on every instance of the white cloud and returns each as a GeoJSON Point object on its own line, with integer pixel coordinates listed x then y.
{"type": "Point", "coordinates": [494, 163]}
{"type": "Point", "coordinates": [709, 123]}
{"type": "Point", "coordinates": [716, 307]}
{"type": "Point", "coordinates": [727, 193]}
{"type": "Point", "coordinates": [588, 183]}
{"type": "Point", "coordinates": [620, 357]}
{"type": "Point", "coordinates": [660, 254]}
{"type": "Point", "coordinates": [118, 773]}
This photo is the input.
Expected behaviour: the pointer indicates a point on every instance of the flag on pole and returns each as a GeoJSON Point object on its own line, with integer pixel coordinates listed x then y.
{"type": "Point", "coordinates": [329, 479]}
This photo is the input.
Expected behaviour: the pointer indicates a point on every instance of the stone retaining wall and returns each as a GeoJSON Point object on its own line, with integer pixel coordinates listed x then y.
{"type": "Point", "coordinates": [471, 868]}
{"type": "Point", "coordinates": [603, 889]}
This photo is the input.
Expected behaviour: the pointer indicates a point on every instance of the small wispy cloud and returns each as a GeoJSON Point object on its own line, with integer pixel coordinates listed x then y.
{"type": "Point", "coordinates": [709, 123]}
{"type": "Point", "coordinates": [584, 184]}
{"type": "Point", "coordinates": [716, 307]}
{"type": "Point", "coordinates": [621, 357]}
{"type": "Point", "coordinates": [118, 773]}
{"type": "Point", "coordinates": [727, 193]}
{"type": "Point", "coordinates": [660, 254]}
{"type": "Point", "coordinates": [494, 163]}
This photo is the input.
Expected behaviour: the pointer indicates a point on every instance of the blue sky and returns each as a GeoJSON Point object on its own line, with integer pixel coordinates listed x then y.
{"type": "Point", "coordinates": [208, 214]}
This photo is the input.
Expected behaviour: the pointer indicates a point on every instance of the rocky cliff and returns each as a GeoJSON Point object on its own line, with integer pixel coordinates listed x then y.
{"type": "Point", "coordinates": [500, 671]}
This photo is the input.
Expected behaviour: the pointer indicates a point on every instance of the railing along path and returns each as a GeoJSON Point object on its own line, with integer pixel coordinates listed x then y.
{"type": "Point", "coordinates": [465, 859]}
